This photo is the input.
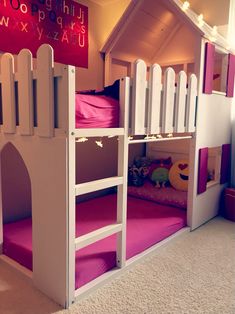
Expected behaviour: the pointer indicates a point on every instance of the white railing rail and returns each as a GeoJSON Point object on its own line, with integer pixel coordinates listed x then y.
{"type": "Point", "coordinates": [31, 99]}
{"type": "Point", "coordinates": [162, 107]}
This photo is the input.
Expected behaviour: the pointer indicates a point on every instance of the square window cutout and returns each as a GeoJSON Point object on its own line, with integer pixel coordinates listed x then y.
{"type": "Point", "coordinates": [220, 71]}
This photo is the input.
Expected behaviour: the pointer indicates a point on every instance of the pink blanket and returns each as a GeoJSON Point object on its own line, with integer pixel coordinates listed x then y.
{"type": "Point", "coordinates": [148, 223]}
{"type": "Point", "coordinates": [96, 111]}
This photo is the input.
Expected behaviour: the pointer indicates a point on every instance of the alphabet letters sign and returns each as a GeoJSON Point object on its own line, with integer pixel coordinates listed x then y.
{"type": "Point", "coordinates": [61, 23]}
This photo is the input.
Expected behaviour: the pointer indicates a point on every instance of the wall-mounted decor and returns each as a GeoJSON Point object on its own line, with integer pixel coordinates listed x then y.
{"type": "Point", "coordinates": [61, 23]}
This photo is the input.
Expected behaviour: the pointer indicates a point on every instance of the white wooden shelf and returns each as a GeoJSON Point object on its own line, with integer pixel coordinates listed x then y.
{"type": "Point", "coordinates": [99, 132]}
{"type": "Point", "coordinates": [97, 185]}
{"type": "Point", "coordinates": [97, 235]}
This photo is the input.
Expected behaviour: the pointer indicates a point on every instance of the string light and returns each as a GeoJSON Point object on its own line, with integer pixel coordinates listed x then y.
{"type": "Point", "coordinates": [150, 137]}
{"type": "Point", "coordinates": [99, 143]}
{"type": "Point", "coordinates": [110, 136]}
{"type": "Point", "coordinates": [130, 137]}
{"type": "Point", "coordinates": [159, 136]}
{"type": "Point", "coordinates": [185, 6]}
{"type": "Point", "coordinates": [214, 31]}
{"type": "Point", "coordinates": [200, 20]}
{"type": "Point", "coordinates": [82, 140]}
{"type": "Point", "coordinates": [170, 135]}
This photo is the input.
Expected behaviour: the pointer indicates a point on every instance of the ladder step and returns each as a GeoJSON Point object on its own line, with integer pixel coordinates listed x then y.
{"type": "Point", "coordinates": [97, 185]}
{"type": "Point", "coordinates": [97, 235]}
{"type": "Point", "coordinates": [99, 132]}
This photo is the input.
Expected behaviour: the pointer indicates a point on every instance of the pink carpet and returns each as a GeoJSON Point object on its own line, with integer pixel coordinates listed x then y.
{"type": "Point", "coordinates": [148, 223]}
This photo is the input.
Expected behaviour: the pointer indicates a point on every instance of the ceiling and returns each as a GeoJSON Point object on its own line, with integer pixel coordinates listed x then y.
{"type": "Point", "coordinates": [215, 11]}
{"type": "Point", "coordinates": [104, 2]}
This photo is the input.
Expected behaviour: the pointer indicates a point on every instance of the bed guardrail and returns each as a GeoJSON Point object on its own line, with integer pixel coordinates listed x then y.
{"type": "Point", "coordinates": [168, 107]}
{"type": "Point", "coordinates": [33, 101]}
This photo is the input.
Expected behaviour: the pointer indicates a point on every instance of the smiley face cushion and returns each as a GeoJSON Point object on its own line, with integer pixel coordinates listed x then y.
{"type": "Point", "coordinates": [178, 175]}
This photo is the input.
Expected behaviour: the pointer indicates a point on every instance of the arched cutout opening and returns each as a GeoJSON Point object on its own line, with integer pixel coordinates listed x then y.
{"type": "Point", "coordinates": [16, 206]}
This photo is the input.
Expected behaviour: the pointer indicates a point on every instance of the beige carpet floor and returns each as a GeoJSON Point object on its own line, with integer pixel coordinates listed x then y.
{"type": "Point", "coordinates": [194, 273]}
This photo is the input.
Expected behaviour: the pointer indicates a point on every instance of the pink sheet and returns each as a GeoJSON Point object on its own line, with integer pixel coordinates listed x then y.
{"type": "Point", "coordinates": [148, 223]}
{"type": "Point", "coordinates": [94, 111]}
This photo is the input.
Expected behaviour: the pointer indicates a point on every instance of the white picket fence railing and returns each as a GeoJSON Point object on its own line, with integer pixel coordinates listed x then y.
{"type": "Point", "coordinates": [35, 100]}
{"type": "Point", "coordinates": [162, 108]}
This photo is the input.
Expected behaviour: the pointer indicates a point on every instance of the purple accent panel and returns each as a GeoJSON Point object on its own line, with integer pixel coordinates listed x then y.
{"type": "Point", "coordinates": [202, 170]}
{"type": "Point", "coordinates": [231, 75]}
{"type": "Point", "coordinates": [147, 224]}
{"type": "Point", "coordinates": [225, 163]}
{"type": "Point", "coordinates": [209, 68]}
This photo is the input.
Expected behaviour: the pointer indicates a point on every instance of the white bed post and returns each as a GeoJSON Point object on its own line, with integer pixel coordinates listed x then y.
{"type": "Point", "coordinates": [71, 171]}
{"type": "Point", "coordinates": [122, 170]}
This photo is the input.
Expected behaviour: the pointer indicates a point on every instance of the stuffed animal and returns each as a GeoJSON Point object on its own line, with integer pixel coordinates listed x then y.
{"type": "Point", "coordinates": [159, 171]}
{"type": "Point", "coordinates": [139, 171]}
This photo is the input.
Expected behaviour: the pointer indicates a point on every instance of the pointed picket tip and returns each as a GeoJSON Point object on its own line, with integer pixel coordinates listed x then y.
{"type": "Point", "coordinates": [46, 52]}
{"type": "Point", "coordinates": [6, 60]}
{"type": "Point", "coordinates": [182, 76]}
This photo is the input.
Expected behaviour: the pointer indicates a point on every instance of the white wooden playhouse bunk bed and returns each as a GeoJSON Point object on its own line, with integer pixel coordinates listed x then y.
{"type": "Point", "coordinates": [38, 118]}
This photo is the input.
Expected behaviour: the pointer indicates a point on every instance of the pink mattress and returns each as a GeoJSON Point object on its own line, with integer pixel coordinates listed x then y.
{"type": "Point", "coordinates": [148, 223]}
{"type": "Point", "coordinates": [94, 111]}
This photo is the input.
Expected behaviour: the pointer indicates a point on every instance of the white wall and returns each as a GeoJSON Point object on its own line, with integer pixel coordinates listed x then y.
{"type": "Point", "coordinates": [101, 21]}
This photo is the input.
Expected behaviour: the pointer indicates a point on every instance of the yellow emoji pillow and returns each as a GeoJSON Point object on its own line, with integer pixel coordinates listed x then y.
{"type": "Point", "coordinates": [178, 175]}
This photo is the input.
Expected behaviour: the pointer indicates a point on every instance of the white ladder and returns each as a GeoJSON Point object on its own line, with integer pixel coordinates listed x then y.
{"type": "Point", "coordinates": [120, 181]}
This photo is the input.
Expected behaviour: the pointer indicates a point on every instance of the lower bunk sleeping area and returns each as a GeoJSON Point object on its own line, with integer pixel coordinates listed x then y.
{"type": "Point", "coordinates": [148, 223]}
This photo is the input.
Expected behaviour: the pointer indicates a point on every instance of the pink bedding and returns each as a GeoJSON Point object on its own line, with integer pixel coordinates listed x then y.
{"type": "Point", "coordinates": [94, 111]}
{"type": "Point", "coordinates": [165, 196]}
{"type": "Point", "coordinates": [148, 223]}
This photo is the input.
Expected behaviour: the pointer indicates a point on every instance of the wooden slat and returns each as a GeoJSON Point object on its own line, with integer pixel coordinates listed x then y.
{"type": "Point", "coordinates": [180, 105]}
{"type": "Point", "coordinates": [138, 98]}
{"type": "Point", "coordinates": [97, 185]}
{"type": "Point", "coordinates": [168, 101]}
{"type": "Point", "coordinates": [96, 235]}
{"type": "Point", "coordinates": [25, 92]}
{"type": "Point", "coordinates": [45, 91]}
{"type": "Point", "coordinates": [191, 104]}
{"type": "Point", "coordinates": [8, 94]}
{"type": "Point", "coordinates": [154, 106]}
{"type": "Point", "coordinates": [99, 132]}
{"type": "Point", "coordinates": [122, 171]}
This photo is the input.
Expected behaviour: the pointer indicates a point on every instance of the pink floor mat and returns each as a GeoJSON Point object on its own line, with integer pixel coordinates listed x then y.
{"type": "Point", "coordinates": [148, 223]}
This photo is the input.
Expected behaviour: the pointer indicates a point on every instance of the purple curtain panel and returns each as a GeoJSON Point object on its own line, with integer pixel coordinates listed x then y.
{"type": "Point", "coordinates": [202, 170]}
{"type": "Point", "coordinates": [230, 76]}
{"type": "Point", "coordinates": [225, 163]}
{"type": "Point", "coordinates": [209, 68]}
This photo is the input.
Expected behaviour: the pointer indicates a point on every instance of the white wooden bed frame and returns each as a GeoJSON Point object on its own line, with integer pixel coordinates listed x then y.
{"type": "Point", "coordinates": [38, 109]}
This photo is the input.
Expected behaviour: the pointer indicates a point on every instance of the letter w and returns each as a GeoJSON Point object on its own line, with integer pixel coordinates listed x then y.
{"type": "Point", "coordinates": [4, 21]}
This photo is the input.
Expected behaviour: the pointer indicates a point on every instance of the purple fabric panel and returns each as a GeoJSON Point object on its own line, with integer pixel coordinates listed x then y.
{"type": "Point", "coordinates": [230, 77]}
{"type": "Point", "coordinates": [209, 68]}
{"type": "Point", "coordinates": [225, 163]}
{"type": "Point", "coordinates": [147, 224]}
{"type": "Point", "coordinates": [202, 170]}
